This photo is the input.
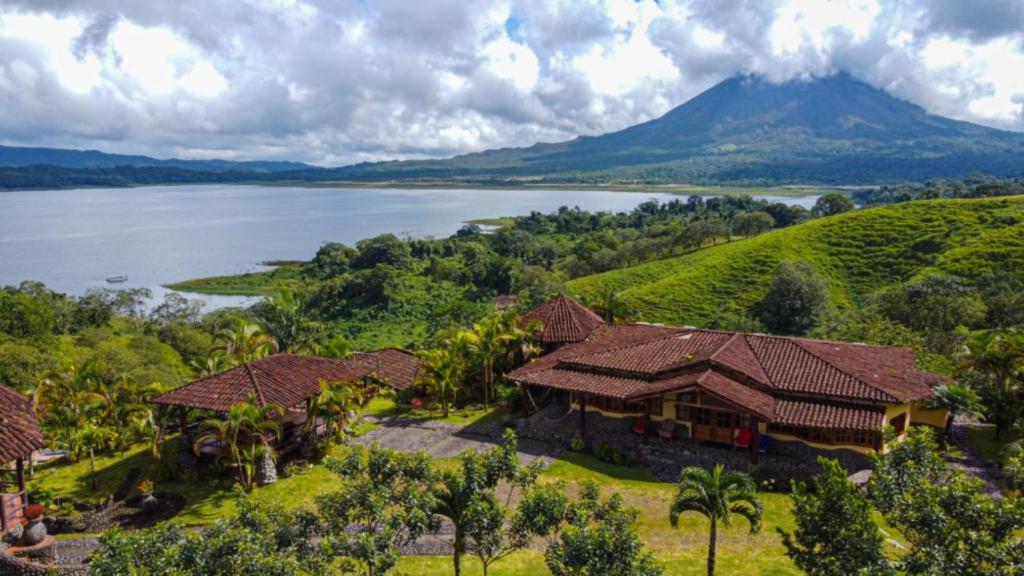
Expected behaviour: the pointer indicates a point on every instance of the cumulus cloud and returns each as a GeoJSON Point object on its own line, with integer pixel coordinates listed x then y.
{"type": "Point", "coordinates": [340, 81]}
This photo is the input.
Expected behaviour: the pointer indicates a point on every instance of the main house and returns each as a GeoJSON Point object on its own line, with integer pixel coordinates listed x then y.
{"type": "Point", "coordinates": [729, 387]}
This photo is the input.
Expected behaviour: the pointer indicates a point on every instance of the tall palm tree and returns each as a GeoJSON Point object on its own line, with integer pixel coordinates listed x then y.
{"type": "Point", "coordinates": [957, 400]}
{"type": "Point", "coordinates": [240, 432]}
{"type": "Point", "coordinates": [489, 347]}
{"type": "Point", "coordinates": [718, 496]}
{"type": "Point", "coordinates": [245, 343]}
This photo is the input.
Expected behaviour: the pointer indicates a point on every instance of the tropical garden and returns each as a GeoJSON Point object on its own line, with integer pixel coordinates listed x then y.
{"type": "Point", "coordinates": [91, 363]}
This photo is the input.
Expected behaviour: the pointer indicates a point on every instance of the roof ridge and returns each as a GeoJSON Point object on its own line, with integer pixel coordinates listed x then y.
{"type": "Point", "coordinates": [888, 394]}
{"type": "Point", "coordinates": [618, 348]}
{"type": "Point", "coordinates": [255, 384]}
{"type": "Point", "coordinates": [742, 337]}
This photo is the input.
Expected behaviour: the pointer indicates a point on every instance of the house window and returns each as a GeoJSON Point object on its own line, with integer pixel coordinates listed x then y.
{"type": "Point", "coordinates": [702, 416]}
{"type": "Point", "coordinates": [899, 423]}
{"type": "Point", "coordinates": [723, 419]}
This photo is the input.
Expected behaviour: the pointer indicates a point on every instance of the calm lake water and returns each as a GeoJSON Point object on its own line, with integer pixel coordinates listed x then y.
{"type": "Point", "coordinates": [72, 240]}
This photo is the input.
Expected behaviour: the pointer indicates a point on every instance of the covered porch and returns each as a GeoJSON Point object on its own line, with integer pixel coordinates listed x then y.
{"type": "Point", "coordinates": [20, 436]}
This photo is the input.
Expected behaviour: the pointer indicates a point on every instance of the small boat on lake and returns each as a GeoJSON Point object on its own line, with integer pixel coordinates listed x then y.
{"type": "Point", "coordinates": [117, 279]}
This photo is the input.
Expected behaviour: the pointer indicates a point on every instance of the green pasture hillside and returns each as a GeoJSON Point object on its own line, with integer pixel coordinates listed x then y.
{"type": "Point", "coordinates": [858, 252]}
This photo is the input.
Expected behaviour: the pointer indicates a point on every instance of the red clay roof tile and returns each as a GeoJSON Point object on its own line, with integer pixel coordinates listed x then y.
{"type": "Point", "coordinates": [562, 321]}
{"type": "Point", "coordinates": [20, 435]}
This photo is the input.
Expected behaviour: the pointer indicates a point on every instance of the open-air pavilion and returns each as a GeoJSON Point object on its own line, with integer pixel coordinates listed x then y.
{"type": "Point", "coordinates": [20, 436]}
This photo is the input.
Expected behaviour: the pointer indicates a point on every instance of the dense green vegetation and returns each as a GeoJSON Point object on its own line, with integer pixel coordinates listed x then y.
{"type": "Point", "coordinates": [859, 254]}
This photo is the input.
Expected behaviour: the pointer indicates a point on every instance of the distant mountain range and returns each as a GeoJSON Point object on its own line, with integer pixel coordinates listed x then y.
{"type": "Point", "coordinates": [89, 159]}
{"type": "Point", "coordinates": [744, 130]}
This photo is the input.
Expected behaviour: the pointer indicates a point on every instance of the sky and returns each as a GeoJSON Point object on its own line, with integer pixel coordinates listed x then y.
{"type": "Point", "coordinates": [334, 82]}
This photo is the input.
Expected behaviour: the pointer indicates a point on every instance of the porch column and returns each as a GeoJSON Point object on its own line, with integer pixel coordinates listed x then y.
{"type": "Point", "coordinates": [648, 410]}
{"type": "Point", "coordinates": [19, 466]}
{"type": "Point", "coordinates": [183, 423]}
{"type": "Point", "coordinates": [526, 399]}
{"type": "Point", "coordinates": [582, 402]}
{"type": "Point", "coordinates": [755, 441]}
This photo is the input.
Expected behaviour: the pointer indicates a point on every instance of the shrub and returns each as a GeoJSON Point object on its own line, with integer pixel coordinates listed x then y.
{"type": "Point", "coordinates": [146, 487]}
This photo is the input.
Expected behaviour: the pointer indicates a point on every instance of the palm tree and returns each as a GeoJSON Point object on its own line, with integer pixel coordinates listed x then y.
{"type": "Point", "coordinates": [247, 342]}
{"type": "Point", "coordinates": [998, 358]}
{"type": "Point", "coordinates": [957, 400]}
{"type": "Point", "coordinates": [442, 372]}
{"type": "Point", "coordinates": [88, 439]}
{"type": "Point", "coordinates": [337, 403]}
{"type": "Point", "coordinates": [718, 496]}
{"type": "Point", "coordinates": [240, 432]}
{"type": "Point", "coordinates": [610, 305]}
{"type": "Point", "coordinates": [489, 346]}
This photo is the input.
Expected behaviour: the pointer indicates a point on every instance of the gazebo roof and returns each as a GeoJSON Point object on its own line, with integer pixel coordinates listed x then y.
{"type": "Point", "coordinates": [395, 367]}
{"type": "Point", "coordinates": [563, 321]}
{"type": "Point", "coordinates": [283, 379]}
{"type": "Point", "coordinates": [19, 430]}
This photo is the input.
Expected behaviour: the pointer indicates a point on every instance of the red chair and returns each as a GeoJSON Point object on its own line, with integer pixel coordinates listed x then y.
{"type": "Point", "coordinates": [743, 438]}
{"type": "Point", "coordinates": [640, 425]}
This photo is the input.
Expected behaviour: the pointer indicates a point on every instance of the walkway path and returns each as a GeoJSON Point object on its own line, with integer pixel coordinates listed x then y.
{"type": "Point", "coordinates": [971, 461]}
{"type": "Point", "coordinates": [448, 440]}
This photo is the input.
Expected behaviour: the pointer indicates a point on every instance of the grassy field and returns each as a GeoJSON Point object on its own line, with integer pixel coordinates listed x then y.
{"type": "Point", "coordinates": [265, 283]}
{"type": "Point", "coordinates": [858, 252]}
{"type": "Point", "coordinates": [984, 440]}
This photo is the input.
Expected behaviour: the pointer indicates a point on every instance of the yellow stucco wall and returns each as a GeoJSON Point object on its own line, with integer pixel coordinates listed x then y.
{"type": "Point", "coordinates": [920, 415]}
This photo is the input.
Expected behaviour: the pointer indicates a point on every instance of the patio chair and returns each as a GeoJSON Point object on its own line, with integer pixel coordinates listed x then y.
{"type": "Point", "coordinates": [743, 438]}
{"type": "Point", "coordinates": [640, 425]}
{"type": "Point", "coordinates": [667, 426]}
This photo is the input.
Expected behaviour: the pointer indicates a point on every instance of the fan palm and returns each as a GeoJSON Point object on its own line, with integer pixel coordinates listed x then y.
{"type": "Point", "coordinates": [957, 400]}
{"type": "Point", "coordinates": [718, 496]}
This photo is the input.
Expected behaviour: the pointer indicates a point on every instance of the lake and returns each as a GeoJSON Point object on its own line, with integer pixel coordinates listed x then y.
{"type": "Point", "coordinates": [72, 240]}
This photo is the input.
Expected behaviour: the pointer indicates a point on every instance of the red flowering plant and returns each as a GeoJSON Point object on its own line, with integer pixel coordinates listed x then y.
{"type": "Point", "coordinates": [34, 511]}
{"type": "Point", "coordinates": [417, 403]}
{"type": "Point", "coordinates": [146, 487]}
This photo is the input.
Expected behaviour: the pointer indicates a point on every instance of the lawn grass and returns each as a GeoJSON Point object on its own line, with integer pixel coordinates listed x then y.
{"type": "Point", "coordinates": [681, 550]}
{"type": "Point", "coordinates": [461, 416]}
{"type": "Point", "coordinates": [858, 253]}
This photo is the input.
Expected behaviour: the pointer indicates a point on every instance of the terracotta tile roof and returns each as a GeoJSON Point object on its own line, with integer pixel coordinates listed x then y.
{"type": "Point", "coordinates": [790, 367]}
{"type": "Point", "coordinates": [397, 368]}
{"type": "Point", "coordinates": [563, 321]}
{"type": "Point", "coordinates": [825, 415]}
{"type": "Point", "coordinates": [575, 381]}
{"type": "Point", "coordinates": [654, 357]}
{"type": "Point", "coordinates": [798, 381]}
{"type": "Point", "coordinates": [20, 435]}
{"type": "Point", "coordinates": [738, 394]}
{"type": "Point", "coordinates": [283, 379]}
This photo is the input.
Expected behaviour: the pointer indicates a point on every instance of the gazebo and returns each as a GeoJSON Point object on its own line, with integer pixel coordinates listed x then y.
{"type": "Point", "coordinates": [289, 381]}
{"type": "Point", "coordinates": [20, 436]}
{"type": "Point", "coordinates": [562, 321]}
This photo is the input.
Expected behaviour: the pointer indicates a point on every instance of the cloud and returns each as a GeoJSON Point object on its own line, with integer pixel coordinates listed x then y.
{"type": "Point", "coordinates": [340, 81]}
